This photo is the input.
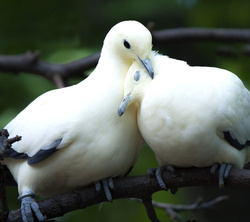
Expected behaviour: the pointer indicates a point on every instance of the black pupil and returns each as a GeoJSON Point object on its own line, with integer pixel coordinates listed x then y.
{"type": "Point", "coordinates": [126, 44]}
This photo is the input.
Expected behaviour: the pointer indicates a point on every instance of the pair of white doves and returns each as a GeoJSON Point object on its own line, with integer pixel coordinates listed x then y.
{"type": "Point", "coordinates": [73, 137]}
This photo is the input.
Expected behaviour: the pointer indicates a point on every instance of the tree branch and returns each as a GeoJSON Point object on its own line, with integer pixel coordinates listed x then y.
{"type": "Point", "coordinates": [201, 34]}
{"type": "Point", "coordinates": [140, 187]}
{"type": "Point", "coordinates": [148, 204]}
{"type": "Point", "coordinates": [59, 73]}
{"type": "Point", "coordinates": [30, 63]}
{"type": "Point", "coordinates": [172, 209]}
{"type": "Point", "coordinates": [5, 142]}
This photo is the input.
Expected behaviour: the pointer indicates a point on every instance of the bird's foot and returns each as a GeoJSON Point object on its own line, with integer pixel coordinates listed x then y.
{"type": "Point", "coordinates": [29, 206]}
{"type": "Point", "coordinates": [106, 184]}
{"type": "Point", "coordinates": [224, 170]}
{"type": "Point", "coordinates": [157, 172]}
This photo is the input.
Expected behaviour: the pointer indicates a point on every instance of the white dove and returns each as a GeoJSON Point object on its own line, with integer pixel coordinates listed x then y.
{"type": "Point", "coordinates": [190, 116]}
{"type": "Point", "coordinates": [72, 137]}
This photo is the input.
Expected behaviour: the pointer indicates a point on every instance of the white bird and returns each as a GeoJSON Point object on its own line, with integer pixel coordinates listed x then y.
{"type": "Point", "coordinates": [190, 116]}
{"type": "Point", "coordinates": [72, 137]}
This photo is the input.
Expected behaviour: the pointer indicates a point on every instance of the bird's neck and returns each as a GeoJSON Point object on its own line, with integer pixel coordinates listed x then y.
{"type": "Point", "coordinates": [112, 67]}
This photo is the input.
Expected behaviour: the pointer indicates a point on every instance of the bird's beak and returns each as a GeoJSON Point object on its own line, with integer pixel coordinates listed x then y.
{"type": "Point", "coordinates": [124, 105]}
{"type": "Point", "coordinates": [146, 63]}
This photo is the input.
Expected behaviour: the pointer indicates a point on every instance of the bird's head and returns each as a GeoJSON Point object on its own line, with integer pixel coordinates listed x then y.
{"type": "Point", "coordinates": [131, 41]}
{"type": "Point", "coordinates": [135, 85]}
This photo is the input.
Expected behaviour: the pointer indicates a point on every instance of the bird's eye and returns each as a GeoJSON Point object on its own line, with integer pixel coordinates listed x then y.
{"type": "Point", "coordinates": [126, 44]}
{"type": "Point", "coordinates": [137, 75]}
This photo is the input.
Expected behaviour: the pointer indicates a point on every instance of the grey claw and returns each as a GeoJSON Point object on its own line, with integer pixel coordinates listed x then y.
{"type": "Point", "coordinates": [224, 170]}
{"type": "Point", "coordinates": [158, 175]}
{"type": "Point", "coordinates": [214, 168]}
{"type": "Point", "coordinates": [107, 184]}
{"type": "Point", "coordinates": [98, 186]}
{"type": "Point", "coordinates": [111, 183]}
{"type": "Point", "coordinates": [35, 208]}
{"type": "Point", "coordinates": [29, 205]}
{"type": "Point", "coordinates": [221, 175]}
{"type": "Point", "coordinates": [106, 190]}
{"type": "Point", "coordinates": [227, 171]}
{"type": "Point", "coordinates": [151, 172]}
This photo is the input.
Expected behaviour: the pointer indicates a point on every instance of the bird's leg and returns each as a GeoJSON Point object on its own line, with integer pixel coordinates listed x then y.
{"type": "Point", "coordinates": [107, 184]}
{"type": "Point", "coordinates": [224, 170]}
{"type": "Point", "coordinates": [29, 206]}
{"type": "Point", "coordinates": [158, 174]}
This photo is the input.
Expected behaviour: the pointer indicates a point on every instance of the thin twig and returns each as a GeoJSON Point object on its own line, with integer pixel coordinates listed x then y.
{"type": "Point", "coordinates": [172, 209]}
{"type": "Point", "coordinates": [197, 205]}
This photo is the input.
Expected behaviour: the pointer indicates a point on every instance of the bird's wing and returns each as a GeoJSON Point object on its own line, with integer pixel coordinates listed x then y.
{"type": "Point", "coordinates": [234, 141]}
{"type": "Point", "coordinates": [220, 96]}
{"type": "Point", "coordinates": [236, 108]}
{"type": "Point", "coordinates": [38, 157]}
{"type": "Point", "coordinates": [43, 125]}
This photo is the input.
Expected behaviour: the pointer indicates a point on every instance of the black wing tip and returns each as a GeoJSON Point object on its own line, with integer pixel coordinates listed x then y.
{"type": "Point", "coordinates": [44, 153]}
{"type": "Point", "coordinates": [38, 157]}
{"type": "Point", "coordinates": [234, 142]}
{"type": "Point", "coordinates": [41, 155]}
{"type": "Point", "coordinates": [11, 153]}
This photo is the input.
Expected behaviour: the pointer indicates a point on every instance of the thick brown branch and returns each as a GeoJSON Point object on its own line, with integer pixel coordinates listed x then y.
{"type": "Point", "coordinates": [140, 187]}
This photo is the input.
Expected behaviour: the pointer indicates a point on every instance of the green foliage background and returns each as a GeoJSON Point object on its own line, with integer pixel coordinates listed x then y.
{"type": "Point", "coordinates": [67, 30]}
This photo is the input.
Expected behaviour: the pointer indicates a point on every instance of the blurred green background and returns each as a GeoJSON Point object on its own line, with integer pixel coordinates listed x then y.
{"type": "Point", "coordinates": [64, 31]}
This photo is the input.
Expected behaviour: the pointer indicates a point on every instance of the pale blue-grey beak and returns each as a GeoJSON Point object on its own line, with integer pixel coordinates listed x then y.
{"type": "Point", "coordinates": [124, 105]}
{"type": "Point", "coordinates": [146, 63]}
